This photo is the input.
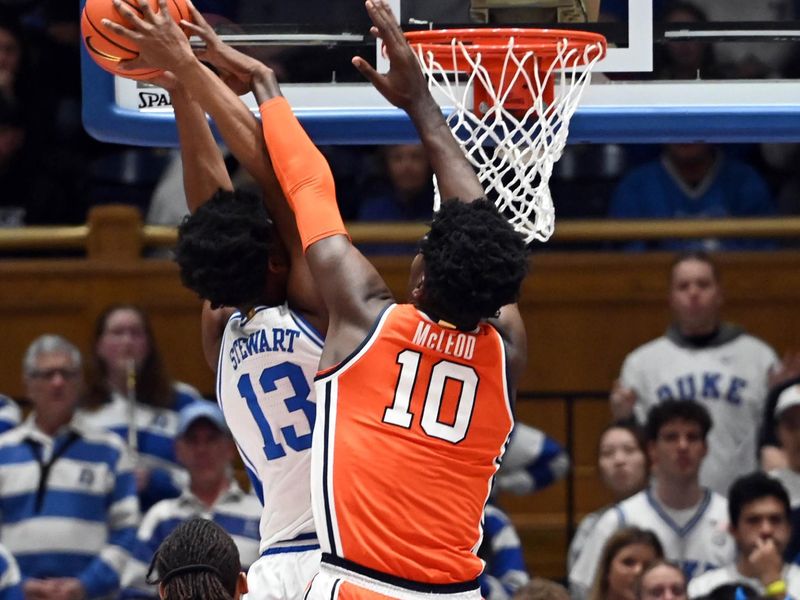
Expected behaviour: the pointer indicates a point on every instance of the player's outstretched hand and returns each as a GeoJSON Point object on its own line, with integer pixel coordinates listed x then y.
{"type": "Point", "coordinates": [236, 69]}
{"type": "Point", "coordinates": [161, 42]}
{"type": "Point", "coordinates": [404, 85]}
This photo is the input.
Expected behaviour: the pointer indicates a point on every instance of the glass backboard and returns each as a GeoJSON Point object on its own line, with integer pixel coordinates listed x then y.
{"type": "Point", "coordinates": [706, 71]}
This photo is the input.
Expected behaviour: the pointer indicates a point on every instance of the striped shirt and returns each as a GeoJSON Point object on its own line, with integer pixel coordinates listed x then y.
{"type": "Point", "coordinates": [10, 414]}
{"type": "Point", "coordinates": [235, 511]}
{"type": "Point", "coordinates": [505, 570]}
{"type": "Point", "coordinates": [533, 461]}
{"type": "Point", "coordinates": [10, 588]}
{"type": "Point", "coordinates": [68, 503]}
{"type": "Point", "coordinates": [156, 429]}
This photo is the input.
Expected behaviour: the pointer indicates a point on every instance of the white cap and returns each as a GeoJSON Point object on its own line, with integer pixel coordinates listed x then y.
{"type": "Point", "coordinates": [788, 398]}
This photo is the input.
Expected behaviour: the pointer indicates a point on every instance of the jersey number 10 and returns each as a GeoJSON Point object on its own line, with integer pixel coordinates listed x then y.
{"type": "Point", "coordinates": [399, 414]}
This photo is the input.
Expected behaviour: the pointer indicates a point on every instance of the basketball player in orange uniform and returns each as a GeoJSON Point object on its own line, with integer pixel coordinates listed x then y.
{"type": "Point", "coordinates": [414, 400]}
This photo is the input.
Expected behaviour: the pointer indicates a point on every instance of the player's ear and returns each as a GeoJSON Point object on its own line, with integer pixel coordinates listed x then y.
{"type": "Point", "coordinates": [417, 290]}
{"type": "Point", "coordinates": [241, 585]}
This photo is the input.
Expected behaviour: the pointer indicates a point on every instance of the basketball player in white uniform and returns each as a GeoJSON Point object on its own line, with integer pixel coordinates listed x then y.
{"type": "Point", "coordinates": [703, 359]}
{"type": "Point", "coordinates": [266, 350]}
{"type": "Point", "coordinates": [691, 522]}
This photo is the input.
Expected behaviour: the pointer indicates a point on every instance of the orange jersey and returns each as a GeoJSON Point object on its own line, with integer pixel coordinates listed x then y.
{"type": "Point", "coordinates": [410, 433]}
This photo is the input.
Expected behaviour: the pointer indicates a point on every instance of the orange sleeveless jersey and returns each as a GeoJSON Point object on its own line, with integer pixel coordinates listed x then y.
{"type": "Point", "coordinates": [410, 433]}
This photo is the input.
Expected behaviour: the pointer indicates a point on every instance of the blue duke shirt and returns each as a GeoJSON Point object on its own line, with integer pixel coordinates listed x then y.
{"type": "Point", "coordinates": [68, 504]}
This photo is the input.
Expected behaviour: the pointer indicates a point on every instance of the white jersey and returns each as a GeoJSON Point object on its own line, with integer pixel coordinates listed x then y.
{"type": "Point", "coordinates": [699, 543]}
{"type": "Point", "coordinates": [791, 481]}
{"type": "Point", "coordinates": [708, 582]}
{"type": "Point", "coordinates": [267, 365]}
{"type": "Point", "coordinates": [728, 376]}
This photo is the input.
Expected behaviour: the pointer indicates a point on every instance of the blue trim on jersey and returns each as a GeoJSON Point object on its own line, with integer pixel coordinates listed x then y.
{"type": "Point", "coordinates": [316, 337]}
{"type": "Point", "coordinates": [255, 483]}
{"type": "Point", "coordinates": [620, 515]}
{"type": "Point", "coordinates": [289, 549]}
{"type": "Point", "coordinates": [681, 531]}
{"type": "Point", "coordinates": [325, 495]}
{"type": "Point", "coordinates": [367, 339]}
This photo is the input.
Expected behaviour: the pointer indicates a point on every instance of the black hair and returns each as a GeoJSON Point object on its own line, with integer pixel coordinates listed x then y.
{"type": "Point", "coordinates": [197, 560]}
{"type": "Point", "coordinates": [698, 255]}
{"type": "Point", "coordinates": [673, 410]}
{"type": "Point", "coordinates": [755, 486]}
{"type": "Point", "coordinates": [474, 263]}
{"type": "Point", "coordinates": [224, 247]}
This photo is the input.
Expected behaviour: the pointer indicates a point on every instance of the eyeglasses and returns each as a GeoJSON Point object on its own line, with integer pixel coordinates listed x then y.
{"type": "Point", "coordinates": [48, 374]}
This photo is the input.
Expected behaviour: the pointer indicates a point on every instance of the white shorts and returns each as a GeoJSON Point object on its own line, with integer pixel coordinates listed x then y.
{"type": "Point", "coordinates": [282, 576]}
{"type": "Point", "coordinates": [336, 583]}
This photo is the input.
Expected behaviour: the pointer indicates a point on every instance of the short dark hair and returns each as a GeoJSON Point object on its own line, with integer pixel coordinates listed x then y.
{"type": "Point", "coordinates": [197, 560]}
{"type": "Point", "coordinates": [672, 410]}
{"type": "Point", "coordinates": [698, 255]}
{"type": "Point", "coordinates": [752, 487]}
{"type": "Point", "coordinates": [224, 247]}
{"type": "Point", "coordinates": [474, 262]}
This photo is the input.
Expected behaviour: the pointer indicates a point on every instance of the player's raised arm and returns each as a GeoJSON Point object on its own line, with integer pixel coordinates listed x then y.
{"type": "Point", "coordinates": [405, 87]}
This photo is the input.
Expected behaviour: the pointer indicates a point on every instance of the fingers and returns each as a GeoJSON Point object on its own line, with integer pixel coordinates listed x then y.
{"type": "Point", "coordinates": [146, 10]}
{"type": "Point", "coordinates": [366, 70]}
{"type": "Point", "coordinates": [383, 18]}
{"type": "Point", "coordinates": [128, 14]}
{"type": "Point", "coordinates": [133, 64]}
{"type": "Point", "coordinates": [120, 30]}
{"type": "Point", "coordinates": [197, 17]}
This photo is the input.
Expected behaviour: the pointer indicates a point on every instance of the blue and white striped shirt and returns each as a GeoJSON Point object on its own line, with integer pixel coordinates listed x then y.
{"type": "Point", "coordinates": [10, 414]}
{"type": "Point", "coordinates": [505, 570]}
{"type": "Point", "coordinates": [235, 511]}
{"type": "Point", "coordinates": [10, 588]}
{"type": "Point", "coordinates": [156, 429]}
{"type": "Point", "coordinates": [68, 504]}
{"type": "Point", "coordinates": [533, 461]}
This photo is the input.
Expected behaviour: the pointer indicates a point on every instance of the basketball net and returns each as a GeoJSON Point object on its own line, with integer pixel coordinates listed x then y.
{"type": "Point", "coordinates": [513, 142]}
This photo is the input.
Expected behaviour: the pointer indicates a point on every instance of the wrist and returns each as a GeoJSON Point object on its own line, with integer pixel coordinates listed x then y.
{"type": "Point", "coordinates": [777, 588]}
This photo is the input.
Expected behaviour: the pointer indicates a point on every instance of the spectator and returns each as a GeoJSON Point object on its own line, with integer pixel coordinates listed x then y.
{"type": "Point", "coordinates": [123, 334]}
{"type": "Point", "coordinates": [625, 556]}
{"type": "Point", "coordinates": [704, 359]}
{"type": "Point", "coordinates": [686, 59]}
{"type": "Point", "coordinates": [542, 589]}
{"type": "Point", "coordinates": [533, 461]}
{"type": "Point", "coordinates": [198, 560]}
{"type": "Point", "coordinates": [693, 181]}
{"type": "Point", "coordinates": [787, 415]}
{"type": "Point", "coordinates": [689, 520]}
{"type": "Point", "coordinates": [759, 521]}
{"type": "Point", "coordinates": [9, 414]}
{"type": "Point", "coordinates": [623, 469]}
{"type": "Point", "coordinates": [67, 492]}
{"type": "Point", "coordinates": [10, 586]}
{"type": "Point", "coordinates": [406, 194]}
{"type": "Point", "coordinates": [205, 447]}
{"type": "Point", "coordinates": [662, 580]}
{"type": "Point", "coordinates": [505, 572]}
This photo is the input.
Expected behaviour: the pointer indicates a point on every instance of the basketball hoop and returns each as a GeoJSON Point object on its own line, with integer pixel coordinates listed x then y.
{"type": "Point", "coordinates": [514, 92]}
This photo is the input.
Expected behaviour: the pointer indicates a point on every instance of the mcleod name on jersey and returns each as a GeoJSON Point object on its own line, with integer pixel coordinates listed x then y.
{"type": "Point", "coordinates": [411, 430]}
{"type": "Point", "coordinates": [266, 364]}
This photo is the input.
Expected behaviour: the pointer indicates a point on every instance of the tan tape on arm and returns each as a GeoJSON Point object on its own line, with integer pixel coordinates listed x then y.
{"type": "Point", "coordinates": [303, 173]}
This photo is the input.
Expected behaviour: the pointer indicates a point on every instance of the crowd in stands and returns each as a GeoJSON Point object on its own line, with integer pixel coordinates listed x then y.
{"type": "Point", "coordinates": [51, 171]}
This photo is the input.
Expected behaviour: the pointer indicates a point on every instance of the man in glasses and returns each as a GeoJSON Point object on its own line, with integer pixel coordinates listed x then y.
{"type": "Point", "coordinates": [67, 493]}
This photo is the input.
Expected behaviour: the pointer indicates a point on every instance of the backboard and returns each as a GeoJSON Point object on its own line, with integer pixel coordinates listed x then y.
{"type": "Point", "coordinates": [718, 74]}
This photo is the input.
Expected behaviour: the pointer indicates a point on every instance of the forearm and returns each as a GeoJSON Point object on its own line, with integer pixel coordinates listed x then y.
{"type": "Point", "coordinates": [454, 174]}
{"type": "Point", "coordinates": [303, 173]}
{"type": "Point", "coordinates": [204, 170]}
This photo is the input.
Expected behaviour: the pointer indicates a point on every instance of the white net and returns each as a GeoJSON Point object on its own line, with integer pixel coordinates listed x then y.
{"type": "Point", "coordinates": [514, 152]}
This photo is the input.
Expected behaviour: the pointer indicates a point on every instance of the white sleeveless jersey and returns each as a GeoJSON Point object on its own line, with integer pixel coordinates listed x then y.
{"type": "Point", "coordinates": [700, 544]}
{"type": "Point", "coordinates": [265, 388]}
{"type": "Point", "coordinates": [729, 379]}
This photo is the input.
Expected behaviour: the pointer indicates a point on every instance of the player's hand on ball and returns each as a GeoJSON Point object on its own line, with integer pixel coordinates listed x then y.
{"type": "Point", "coordinates": [166, 79]}
{"type": "Point", "coordinates": [161, 41]}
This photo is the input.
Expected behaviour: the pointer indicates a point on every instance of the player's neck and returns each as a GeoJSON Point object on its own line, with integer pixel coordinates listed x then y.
{"type": "Point", "coordinates": [678, 494]}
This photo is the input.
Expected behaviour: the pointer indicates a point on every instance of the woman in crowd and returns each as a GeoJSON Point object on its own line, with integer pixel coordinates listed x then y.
{"type": "Point", "coordinates": [126, 366]}
{"type": "Point", "coordinates": [661, 580]}
{"type": "Point", "coordinates": [626, 555]}
{"type": "Point", "coordinates": [622, 464]}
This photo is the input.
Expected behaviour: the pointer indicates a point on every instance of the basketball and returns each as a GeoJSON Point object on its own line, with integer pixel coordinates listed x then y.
{"type": "Point", "coordinates": [107, 48]}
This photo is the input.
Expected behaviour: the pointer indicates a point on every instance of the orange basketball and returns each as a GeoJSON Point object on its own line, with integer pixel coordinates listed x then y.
{"type": "Point", "coordinates": [106, 47]}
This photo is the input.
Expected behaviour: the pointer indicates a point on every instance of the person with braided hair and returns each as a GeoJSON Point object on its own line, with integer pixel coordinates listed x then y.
{"type": "Point", "coordinates": [198, 560]}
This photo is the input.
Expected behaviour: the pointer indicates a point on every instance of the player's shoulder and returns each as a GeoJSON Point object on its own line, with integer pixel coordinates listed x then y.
{"type": "Point", "coordinates": [652, 349]}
